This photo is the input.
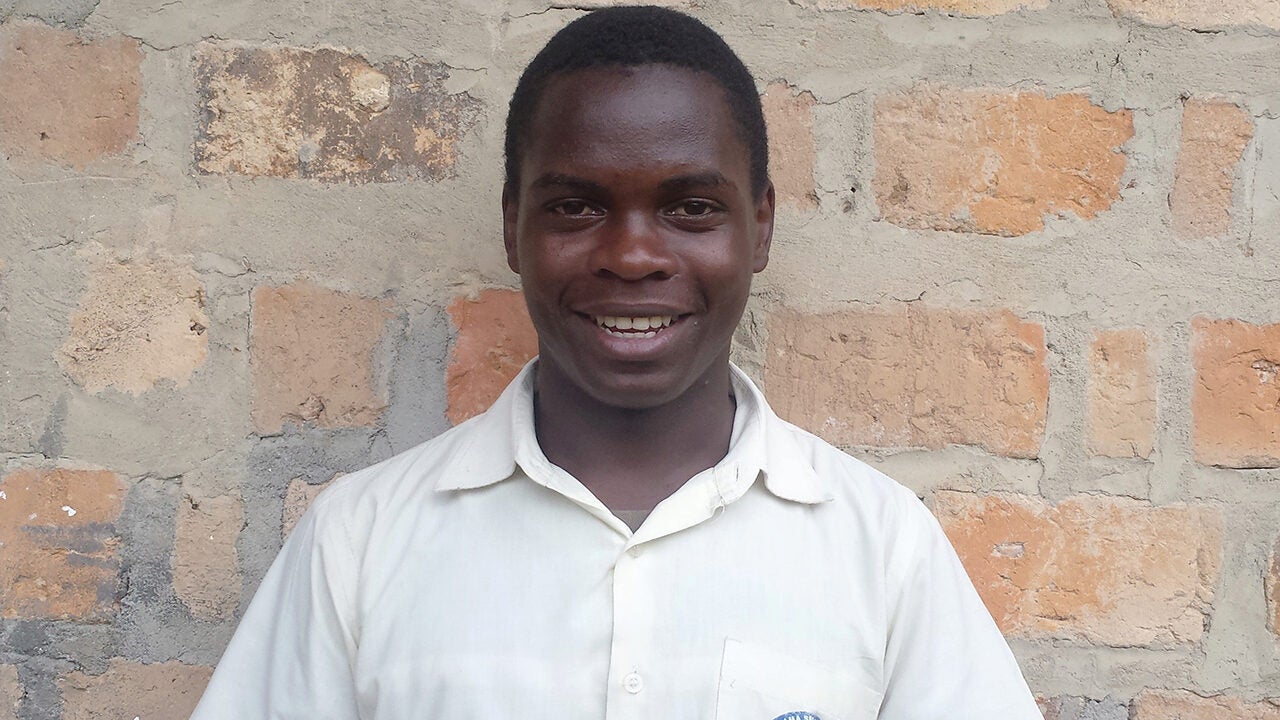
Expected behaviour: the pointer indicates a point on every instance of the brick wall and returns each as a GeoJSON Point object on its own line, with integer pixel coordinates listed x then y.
{"type": "Point", "coordinates": [1027, 262]}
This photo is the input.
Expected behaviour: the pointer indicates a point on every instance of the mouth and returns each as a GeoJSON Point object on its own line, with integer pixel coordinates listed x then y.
{"type": "Point", "coordinates": [635, 327]}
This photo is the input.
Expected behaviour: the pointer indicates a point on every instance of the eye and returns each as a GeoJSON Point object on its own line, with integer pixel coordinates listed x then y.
{"type": "Point", "coordinates": [575, 208]}
{"type": "Point", "coordinates": [693, 208]}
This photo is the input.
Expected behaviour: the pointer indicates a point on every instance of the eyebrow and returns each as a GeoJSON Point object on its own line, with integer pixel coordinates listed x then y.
{"type": "Point", "coordinates": [710, 178]}
{"type": "Point", "coordinates": [568, 181]}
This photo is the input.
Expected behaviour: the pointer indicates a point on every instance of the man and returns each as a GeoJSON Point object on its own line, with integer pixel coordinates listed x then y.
{"type": "Point", "coordinates": [629, 532]}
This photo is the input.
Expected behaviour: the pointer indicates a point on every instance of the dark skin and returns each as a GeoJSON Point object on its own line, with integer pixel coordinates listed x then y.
{"type": "Point", "coordinates": [634, 201]}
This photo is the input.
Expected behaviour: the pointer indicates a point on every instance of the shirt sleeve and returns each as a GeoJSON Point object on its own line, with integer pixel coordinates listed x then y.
{"type": "Point", "coordinates": [945, 657]}
{"type": "Point", "coordinates": [292, 656]}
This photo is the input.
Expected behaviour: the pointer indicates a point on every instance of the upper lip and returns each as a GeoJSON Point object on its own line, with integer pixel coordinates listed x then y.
{"type": "Point", "coordinates": [631, 311]}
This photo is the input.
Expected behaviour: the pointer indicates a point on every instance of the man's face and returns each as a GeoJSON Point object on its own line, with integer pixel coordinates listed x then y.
{"type": "Point", "coordinates": [635, 231]}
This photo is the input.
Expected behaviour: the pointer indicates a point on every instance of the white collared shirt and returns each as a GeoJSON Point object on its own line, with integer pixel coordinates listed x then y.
{"type": "Point", "coordinates": [471, 578]}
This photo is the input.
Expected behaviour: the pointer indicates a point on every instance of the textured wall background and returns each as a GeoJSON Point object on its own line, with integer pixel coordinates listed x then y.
{"type": "Point", "coordinates": [1027, 261]}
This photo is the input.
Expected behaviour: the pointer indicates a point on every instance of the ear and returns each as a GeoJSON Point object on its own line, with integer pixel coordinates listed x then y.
{"type": "Point", "coordinates": [510, 211]}
{"type": "Point", "coordinates": [764, 229]}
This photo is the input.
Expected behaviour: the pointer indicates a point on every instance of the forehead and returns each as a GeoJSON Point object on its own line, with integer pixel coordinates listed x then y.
{"type": "Point", "coordinates": [657, 113]}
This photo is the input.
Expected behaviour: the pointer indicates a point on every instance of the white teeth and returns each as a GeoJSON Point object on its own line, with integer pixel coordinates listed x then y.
{"type": "Point", "coordinates": [645, 325]}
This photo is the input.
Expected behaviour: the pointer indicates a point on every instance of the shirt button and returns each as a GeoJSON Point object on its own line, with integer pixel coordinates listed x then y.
{"type": "Point", "coordinates": [633, 683]}
{"type": "Point", "coordinates": [636, 551]}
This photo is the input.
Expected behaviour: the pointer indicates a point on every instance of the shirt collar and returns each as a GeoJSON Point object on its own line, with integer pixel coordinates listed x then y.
{"type": "Point", "coordinates": [760, 445]}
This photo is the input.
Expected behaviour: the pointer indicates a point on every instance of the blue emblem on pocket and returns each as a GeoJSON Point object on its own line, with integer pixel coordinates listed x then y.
{"type": "Point", "coordinates": [798, 715]}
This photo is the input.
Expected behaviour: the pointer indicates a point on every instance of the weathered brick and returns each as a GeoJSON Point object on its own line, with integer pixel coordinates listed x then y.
{"type": "Point", "coordinates": [313, 357]}
{"type": "Point", "coordinates": [1183, 705]}
{"type": "Point", "coordinates": [10, 692]}
{"type": "Point", "coordinates": [163, 691]}
{"type": "Point", "coordinates": [138, 323]}
{"type": "Point", "coordinates": [326, 115]}
{"type": "Point", "coordinates": [1122, 395]}
{"type": "Point", "coordinates": [57, 528]}
{"type": "Point", "coordinates": [909, 376]}
{"type": "Point", "coordinates": [66, 101]}
{"type": "Point", "coordinates": [1092, 569]}
{"type": "Point", "coordinates": [298, 497]}
{"type": "Point", "coordinates": [1235, 402]}
{"type": "Point", "coordinates": [1214, 135]}
{"type": "Point", "coordinates": [206, 570]}
{"type": "Point", "coordinates": [792, 151]}
{"type": "Point", "coordinates": [1076, 708]}
{"type": "Point", "coordinates": [992, 162]}
{"type": "Point", "coordinates": [495, 338]}
{"type": "Point", "coordinates": [1201, 14]}
{"type": "Point", "coordinates": [957, 7]}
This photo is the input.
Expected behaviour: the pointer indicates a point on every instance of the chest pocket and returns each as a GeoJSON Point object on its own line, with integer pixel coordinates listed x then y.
{"type": "Point", "coordinates": [756, 684]}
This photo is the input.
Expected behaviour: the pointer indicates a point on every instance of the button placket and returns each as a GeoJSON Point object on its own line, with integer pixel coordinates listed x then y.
{"type": "Point", "coordinates": [631, 616]}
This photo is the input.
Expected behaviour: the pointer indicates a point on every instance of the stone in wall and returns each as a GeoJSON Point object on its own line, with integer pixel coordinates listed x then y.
{"type": "Point", "coordinates": [1272, 587]}
{"type": "Point", "coordinates": [162, 691]}
{"type": "Point", "coordinates": [1201, 14]}
{"type": "Point", "coordinates": [1092, 569]}
{"type": "Point", "coordinates": [995, 162]}
{"type": "Point", "coordinates": [1214, 135]}
{"type": "Point", "coordinates": [956, 7]}
{"type": "Point", "coordinates": [206, 569]}
{"type": "Point", "coordinates": [10, 692]}
{"type": "Point", "coordinates": [67, 101]}
{"type": "Point", "coordinates": [1077, 708]}
{"type": "Point", "coordinates": [792, 150]}
{"type": "Point", "coordinates": [1183, 705]}
{"type": "Point", "coordinates": [1122, 395]}
{"type": "Point", "coordinates": [495, 338]}
{"type": "Point", "coordinates": [1235, 400]}
{"type": "Point", "coordinates": [326, 115]}
{"type": "Point", "coordinates": [312, 353]}
{"type": "Point", "coordinates": [57, 528]}
{"type": "Point", "coordinates": [138, 323]}
{"type": "Point", "coordinates": [907, 376]}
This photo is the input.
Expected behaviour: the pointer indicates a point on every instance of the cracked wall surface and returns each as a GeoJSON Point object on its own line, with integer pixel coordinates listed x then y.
{"type": "Point", "coordinates": [1026, 261]}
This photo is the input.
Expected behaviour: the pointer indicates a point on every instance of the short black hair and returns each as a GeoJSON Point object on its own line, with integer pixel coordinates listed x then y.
{"type": "Point", "coordinates": [629, 36]}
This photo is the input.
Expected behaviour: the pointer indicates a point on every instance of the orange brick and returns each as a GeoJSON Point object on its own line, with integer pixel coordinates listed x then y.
{"type": "Point", "coordinates": [328, 116]}
{"type": "Point", "coordinates": [995, 163]}
{"type": "Point", "coordinates": [57, 528]}
{"type": "Point", "coordinates": [1183, 705]}
{"type": "Point", "coordinates": [206, 570]}
{"type": "Point", "coordinates": [792, 151]}
{"type": "Point", "coordinates": [1235, 403]}
{"type": "Point", "coordinates": [164, 691]}
{"type": "Point", "coordinates": [138, 323]}
{"type": "Point", "coordinates": [912, 377]}
{"type": "Point", "coordinates": [66, 101]}
{"type": "Point", "coordinates": [313, 357]}
{"type": "Point", "coordinates": [1122, 395]}
{"type": "Point", "coordinates": [298, 497]}
{"type": "Point", "coordinates": [1214, 135]}
{"type": "Point", "coordinates": [10, 692]}
{"type": "Point", "coordinates": [495, 338]}
{"type": "Point", "coordinates": [1092, 569]}
{"type": "Point", "coordinates": [1201, 14]}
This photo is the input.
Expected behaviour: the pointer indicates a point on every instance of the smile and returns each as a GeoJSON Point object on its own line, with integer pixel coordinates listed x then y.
{"type": "Point", "coordinates": [643, 327]}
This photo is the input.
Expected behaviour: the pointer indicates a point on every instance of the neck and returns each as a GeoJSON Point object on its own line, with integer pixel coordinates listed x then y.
{"type": "Point", "coordinates": [633, 458]}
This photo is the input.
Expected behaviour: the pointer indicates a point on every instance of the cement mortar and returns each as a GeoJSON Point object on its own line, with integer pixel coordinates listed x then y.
{"type": "Point", "coordinates": [421, 244]}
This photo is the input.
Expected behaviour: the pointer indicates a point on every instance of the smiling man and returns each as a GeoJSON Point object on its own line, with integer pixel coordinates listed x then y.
{"type": "Point", "coordinates": [629, 532]}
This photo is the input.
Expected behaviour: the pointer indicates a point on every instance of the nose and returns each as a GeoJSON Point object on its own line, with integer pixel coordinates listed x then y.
{"type": "Point", "coordinates": [633, 247]}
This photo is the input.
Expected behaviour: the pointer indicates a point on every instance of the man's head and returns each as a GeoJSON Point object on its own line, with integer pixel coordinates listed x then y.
{"type": "Point", "coordinates": [631, 37]}
{"type": "Point", "coordinates": [636, 211]}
